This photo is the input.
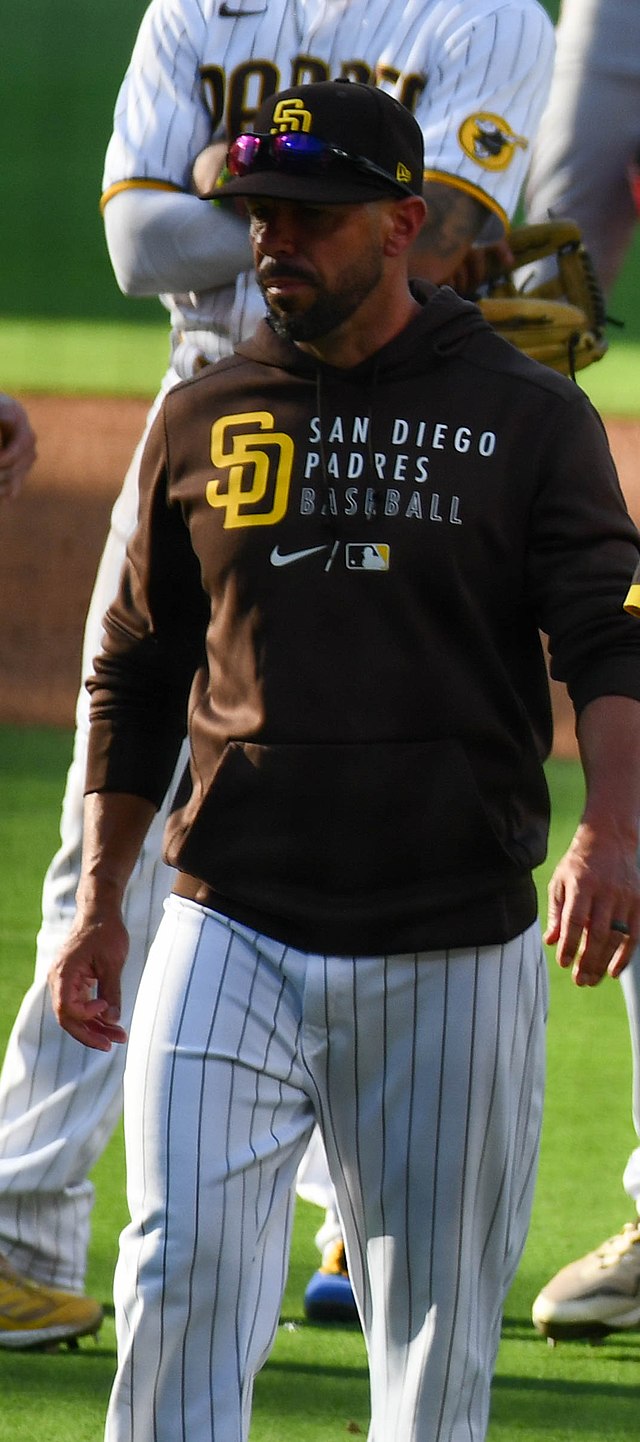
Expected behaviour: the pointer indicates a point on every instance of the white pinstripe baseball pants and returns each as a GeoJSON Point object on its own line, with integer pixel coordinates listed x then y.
{"type": "Point", "coordinates": [427, 1076]}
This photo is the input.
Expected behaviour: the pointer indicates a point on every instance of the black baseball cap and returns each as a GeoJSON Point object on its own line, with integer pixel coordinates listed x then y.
{"type": "Point", "coordinates": [336, 141]}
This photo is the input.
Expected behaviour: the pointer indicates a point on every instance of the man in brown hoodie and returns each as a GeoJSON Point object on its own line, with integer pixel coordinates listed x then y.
{"type": "Point", "coordinates": [350, 536]}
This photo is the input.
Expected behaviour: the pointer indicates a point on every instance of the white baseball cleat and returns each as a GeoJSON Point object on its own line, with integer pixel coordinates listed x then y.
{"type": "Point", "coordinates": [597, 1294]}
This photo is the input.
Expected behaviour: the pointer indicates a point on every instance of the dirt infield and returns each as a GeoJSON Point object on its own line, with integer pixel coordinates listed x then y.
{"type": "Point", "coordinates": [52, 537]}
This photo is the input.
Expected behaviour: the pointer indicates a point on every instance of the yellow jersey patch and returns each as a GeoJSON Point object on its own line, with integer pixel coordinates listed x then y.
{"type": "Point", "coordinates": [489, 140]}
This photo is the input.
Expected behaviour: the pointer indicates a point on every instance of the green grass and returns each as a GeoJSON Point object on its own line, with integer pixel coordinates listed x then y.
{"type": "Point", "coordinates": [128, 358]}
{"type": "Point", "coordinates": [314, 1387]}
{"type": "Point", "coordinates": [82, 356]}
{"type": "Point", "coordinates": [613, 384]}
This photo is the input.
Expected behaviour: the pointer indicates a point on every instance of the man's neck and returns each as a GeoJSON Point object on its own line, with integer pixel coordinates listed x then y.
{"type": "Point", "coordinates": [361, 336]}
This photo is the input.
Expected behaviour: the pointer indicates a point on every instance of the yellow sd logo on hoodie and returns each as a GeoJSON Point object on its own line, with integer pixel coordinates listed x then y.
{"type": "Point", "coordinates": [258, 466]}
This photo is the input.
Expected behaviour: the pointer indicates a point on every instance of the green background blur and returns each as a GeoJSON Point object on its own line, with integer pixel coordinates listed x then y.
{"type": "Point", "coordinates": [61, 63]}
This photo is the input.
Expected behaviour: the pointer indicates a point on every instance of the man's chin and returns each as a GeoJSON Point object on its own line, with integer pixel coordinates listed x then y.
{"type": "Point", "coordinates": [306, 323]}
{"type": "Point", "coordinates": [291, 324]}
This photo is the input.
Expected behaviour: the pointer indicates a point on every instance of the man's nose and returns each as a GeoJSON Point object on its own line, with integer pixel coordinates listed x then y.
{"type": "Point", "coordinates": [278, 235]}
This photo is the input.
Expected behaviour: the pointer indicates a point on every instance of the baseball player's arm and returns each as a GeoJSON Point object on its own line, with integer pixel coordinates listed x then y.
{"type": "Point", "coordinates": [445, 250]}
{"type": "Point", "coordinates": [597, 881]}
{"type": "Point", "coordinates": [168, 240]}
{"type": "Point", "coordinates": [84, 980]}
{"type": "Point", "coordinates": [17, 446]}
{"type": "Point", "coordinates": [161, 237]}
{"type": "Point", "coordinates": [489, 74]}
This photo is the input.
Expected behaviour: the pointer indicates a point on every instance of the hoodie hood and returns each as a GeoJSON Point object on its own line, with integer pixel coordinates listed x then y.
{"type": "Point", "coordinates": [444, 326]}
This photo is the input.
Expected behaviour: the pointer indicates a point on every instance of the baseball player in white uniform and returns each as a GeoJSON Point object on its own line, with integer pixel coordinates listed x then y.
{"type": "Point", "coordinates": [476, 76]}
{"type": "Point", "coordinates": [585, 165]}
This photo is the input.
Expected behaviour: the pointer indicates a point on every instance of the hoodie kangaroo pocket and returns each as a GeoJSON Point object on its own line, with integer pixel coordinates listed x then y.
{"type": "Point", "coordinates": [343, 819]}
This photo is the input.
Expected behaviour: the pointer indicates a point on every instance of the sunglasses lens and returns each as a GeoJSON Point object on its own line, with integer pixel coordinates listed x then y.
{"type": "Point", "coordinates": [300, 153]}
{"type": "Point", "coordinates": [243, 154]}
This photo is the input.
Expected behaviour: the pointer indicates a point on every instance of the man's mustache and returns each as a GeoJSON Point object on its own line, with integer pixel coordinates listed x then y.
{"type": "Point", "coordinates": [271, 269]}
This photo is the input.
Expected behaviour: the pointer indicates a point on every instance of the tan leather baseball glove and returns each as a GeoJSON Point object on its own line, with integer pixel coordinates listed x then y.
{"type": "Point", "coordinates": [560, 321]}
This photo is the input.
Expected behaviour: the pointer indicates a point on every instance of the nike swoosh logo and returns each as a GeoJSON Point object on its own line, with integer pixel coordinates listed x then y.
{"type": "Point", "coordinates": [279, 560]}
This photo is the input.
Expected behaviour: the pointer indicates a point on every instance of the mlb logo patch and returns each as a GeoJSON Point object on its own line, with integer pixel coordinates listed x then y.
{"type": "Point", "coordinates": [369, 557]}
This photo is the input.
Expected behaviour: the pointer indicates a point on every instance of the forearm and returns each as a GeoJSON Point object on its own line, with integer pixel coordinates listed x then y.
{"type": "Point", "coordinates": [168, 242]}
{"type": "Point", "coordinates": [608, 734]}
{"type": "Point", "coordinates": [594, 893]}
{"type": "Point", "coordinates": [454, 220]}
{"type": "Point", "coordinates": [115, 825]}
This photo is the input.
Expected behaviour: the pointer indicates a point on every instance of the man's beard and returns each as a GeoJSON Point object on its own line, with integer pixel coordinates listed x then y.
{"type": "Point", "coordinates": [330, 308]}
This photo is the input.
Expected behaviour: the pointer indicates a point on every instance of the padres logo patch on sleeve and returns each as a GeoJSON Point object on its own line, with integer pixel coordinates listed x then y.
{"type": "Point", "coordinates": [489, 140]}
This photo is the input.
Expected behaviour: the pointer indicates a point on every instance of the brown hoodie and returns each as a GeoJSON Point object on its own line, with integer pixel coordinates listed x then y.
{"type": "Point", "coordinates": [342, 575]}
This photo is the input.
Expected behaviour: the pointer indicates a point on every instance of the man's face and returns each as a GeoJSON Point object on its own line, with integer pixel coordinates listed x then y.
{"type": "Point", "coordinates": [315, 264]}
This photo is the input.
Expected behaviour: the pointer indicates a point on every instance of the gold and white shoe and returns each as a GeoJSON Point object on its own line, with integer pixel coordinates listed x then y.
{"type": "Point", "coordinates": [35, 1316]}
{"type": "Point", "coordinates": [597, 1294]}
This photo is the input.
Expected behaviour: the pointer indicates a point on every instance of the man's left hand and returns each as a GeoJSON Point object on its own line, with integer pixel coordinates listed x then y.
{"type": "Point", "coordinates": [594, 907]}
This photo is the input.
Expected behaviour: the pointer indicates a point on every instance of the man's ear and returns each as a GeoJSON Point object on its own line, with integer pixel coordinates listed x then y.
{"type": "Point", "coordinates": [405, 219]}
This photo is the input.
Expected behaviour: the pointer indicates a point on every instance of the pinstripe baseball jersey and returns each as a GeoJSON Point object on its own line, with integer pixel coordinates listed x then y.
{"type": "Point", "coordinates": [474, 73]}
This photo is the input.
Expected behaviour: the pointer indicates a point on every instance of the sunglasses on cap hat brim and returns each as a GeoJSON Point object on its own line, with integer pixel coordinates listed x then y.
{"type": "Point", "coordinates": [279, 166]}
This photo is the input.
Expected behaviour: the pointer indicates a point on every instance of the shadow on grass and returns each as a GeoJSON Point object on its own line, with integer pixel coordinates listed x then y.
{"type": "Point", "coordinates": [623, 1346]}
{"type": "Point", "coordinates": [318, 1369]}
{"type": "Point", "coordinates": [294, 1320]}
{"type": "Point", "coordinates": [29, 1376]}
{"type": "Point", "coordinates": [561, 1386]}
{"type": "Point", "coordinates": [574, 1390]}
{"type": "Point", "coordinates": [558, 1408]}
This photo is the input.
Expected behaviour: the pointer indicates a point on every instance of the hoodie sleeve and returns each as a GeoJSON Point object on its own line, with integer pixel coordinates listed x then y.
{"type": "Point", "coordinates": [583, 554]}
{"type": "Point", "coordinates": [154, 639]}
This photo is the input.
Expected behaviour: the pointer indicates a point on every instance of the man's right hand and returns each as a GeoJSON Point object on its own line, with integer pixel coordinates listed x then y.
{"type": "Point", "coordinates": [84, 982]}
